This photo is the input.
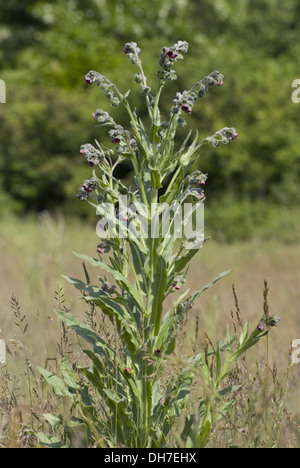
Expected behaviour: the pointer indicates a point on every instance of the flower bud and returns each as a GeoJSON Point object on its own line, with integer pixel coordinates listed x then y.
{"type": "Point", "coordinates": [132, 51]}
{"type": "Point", "coordinates": [91, 154]}
{"type": "Point", "coordinates": [82, 195]}
{"type": "Point", "coordinates": [109, 288]}
{"type": "Point", "coordinates": [177, 282]}
{"type": "Point", "coordinates": [181, 122]}
{"type": "Point", "coordinates": [94, 77]}
{"type": "Point", "coordinates": [138, 78]}
{"type": "Point", "coordinates": [202, 90]}
{"type": "Point", "coordinates": [171, 54]}
{"type": "Point", "coordinates": [197, 178]}
{"type": "Point", "coordinates": [102, 117]}
{"type": "Point", "coordinates": [104, 247]}
{"type": "Point", "coordinates": [186, 108]}
{"type": "Point", "coordinates": [115, 101]}
{"type": "Point", "coordinates": [145, 90]}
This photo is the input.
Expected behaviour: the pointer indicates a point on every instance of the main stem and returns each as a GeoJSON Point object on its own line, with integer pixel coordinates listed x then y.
{"type": "Point", "coordinates": [147, 327]}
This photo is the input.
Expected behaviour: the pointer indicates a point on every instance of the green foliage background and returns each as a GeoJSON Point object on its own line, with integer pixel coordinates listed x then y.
{"type": "Point", "coordinates": [46, 48]}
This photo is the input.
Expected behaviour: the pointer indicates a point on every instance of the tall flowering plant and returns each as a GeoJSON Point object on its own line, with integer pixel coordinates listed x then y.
{"type": "Point", "coordinates": [122, 397]}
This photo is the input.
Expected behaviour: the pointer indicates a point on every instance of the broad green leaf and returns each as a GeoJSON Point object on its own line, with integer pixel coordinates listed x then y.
{"type": "Point", "coordinates": [69, 375]}
{"type": "Point", "coordinates": [119, 278]}
{"type": "Point", "coordinates": [188, 430]}
{"type": "Point", "coordinates": [156, 179]}
{"type": "Point", "coordinates": [54, 419]}
{"type": "Point", "coordinates": [140, 266]}
{"type": "Point", "coordinates": [166, 338]}
{"type": "Point", "coordinates": [126, 328]}
{"type": "Point", "coordinates": [86, 332]}
{"type": "Point", "coordinates": [113, 395]}
{"type": "Point", "coordinates": [203, 437]}
{"type": "Point", "coordinates": [244, 334]}
{"type": "Point", "coordinates": [50, 441]}
{"type": "Point", "coordinates": [158, 290]}
{"type": "Point", "coordinates": [57, 383]}
{"type": "Point", "coordinates": [183, 260]}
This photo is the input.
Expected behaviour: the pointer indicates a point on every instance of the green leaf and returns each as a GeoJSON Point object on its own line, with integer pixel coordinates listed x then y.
{"type": "Point", "coordinates": [166, 338]}
{"type": "Point", "coordinates": [113, 396]}
{"type": "Point", "coordinates": [140, 266]}
{"type": "Point", "coordinates": [230, 389]}
{"type": "Point", "coordinates": [81, 286]}
{"type": "Point", "coordinates": [181, 262]}
{"type": "Point", "coordinates": [188, 430]}
{"type": "Point", "coordinates": [219, 364]}
{"type": "Point", "coordinates": [119, 278]}
{"type": "Point", "coordinates": [156, 179]}
{"type": "Point", "coordinates": [158, 290]}
{"type": "Point", "coordinates": [127, 329]}
{"type": "Point", "coordinates": [184, 160]}
{"type": "Point", "coordinates": [203, 437]}
{"type": "Point", "coordinates": [50, 441]}
{"type": "Point", "coordinates": [54, 419]}
{"type": "Point", "coordinates": [86, 332]}
{"type": "Point", "coordinates": [70, 377]}
{"type": "Point", "coordinates": [57, 383]}
{"type": "Point", "coordinates": [197, 294]}
{"type": "Point", "coordinates": [244, 335]}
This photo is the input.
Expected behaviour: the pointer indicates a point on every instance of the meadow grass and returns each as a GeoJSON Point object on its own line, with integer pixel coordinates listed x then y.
{"type": "Point", "coordinates": [36, 251]}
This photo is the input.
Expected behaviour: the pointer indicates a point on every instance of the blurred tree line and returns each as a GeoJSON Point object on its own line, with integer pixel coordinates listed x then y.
{"type": "Point", "coordinates": [48, 46]}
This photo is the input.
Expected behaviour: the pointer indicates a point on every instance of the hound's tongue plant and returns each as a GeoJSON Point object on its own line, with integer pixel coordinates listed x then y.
{"type": "Point", "coordinates": [122, 399]}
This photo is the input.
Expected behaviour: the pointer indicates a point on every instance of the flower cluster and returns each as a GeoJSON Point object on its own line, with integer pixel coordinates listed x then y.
{"type": "Point", "coordinates": [197, 178]}
{"type": "Point", "coordinates": [186, 305]}
{"type": "Point", "coordinates": [185, 100]}
{"type": "Point", "coordinates": [194, 242]}
{"type": "Point", "coordinates": [168, 57]}
{"type": "Point", "coordinates": [177, 282]}
{"type": "Point", "coordinates": [196, 192]}
{"type": "Point", "coordinates": [102, 117]}
{"type": "Point", "coordinates": [222, 136]}
{"type": "Point", "coordinates": [118, 135]}
{"type": "Point", "coordinates": [94, 77]}
{"type": "Point", "coordinates": [132, 51]}
{"type": "Point", "coordinates": [268, 322]}
{"type": "Point", "coordinates": [108, 287]}
{"type": "Point", "coordinates": [92, 155]}
{"type": "Point", "coordinates": [101, 81]}
{"type": "Point", "coordinates": [125, 213]}
{"type": "Point", "coordinates": [213, 79]}
{"type": "Point", "coordinates": [87, 188]}
{"type": "Point", "coordinates": [104, 247]}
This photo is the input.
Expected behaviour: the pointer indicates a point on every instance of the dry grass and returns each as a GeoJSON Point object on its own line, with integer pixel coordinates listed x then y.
{"type": "Point", "coordinates": [34, 254]}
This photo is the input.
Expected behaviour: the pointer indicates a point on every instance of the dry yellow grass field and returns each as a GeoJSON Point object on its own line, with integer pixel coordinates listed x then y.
{"type": "Point", "coordinates": [34, 254]}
